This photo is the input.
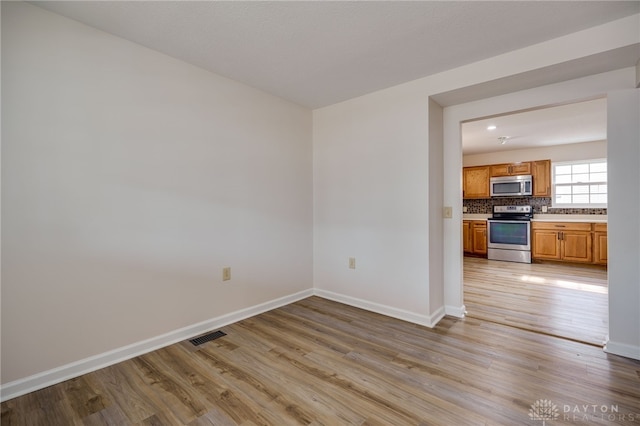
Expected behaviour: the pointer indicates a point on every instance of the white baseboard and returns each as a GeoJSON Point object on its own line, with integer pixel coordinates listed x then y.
{"type": "Point", "coordinates": [426, 320]}
{"type": "Point", "coordinates": [437, 316]}
{"type": "Point", "coordinates": [456, 311]}
{"type": "Point", "coordinates": [47, 378]}
{"type": "Point", "coordinates": [87, 365]}
{"type": "Point", "coordinates": [622, 349]}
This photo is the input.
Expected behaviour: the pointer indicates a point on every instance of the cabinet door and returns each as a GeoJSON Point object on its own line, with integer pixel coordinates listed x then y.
{"type": "Point", "coordinates": [546, 244]}
{"type": "Point", "coordinates": [600, 248]}
{"type": "Point", "coordinates": [476, 182]}
{"type": "Point", "coordinates": [576, 246]}
{"type": "Point", "coordinates": [479, 230]}
{"type": "Point", "coordinates": [500, 170]}
{"type": "Point", "coordinates": [466, 236]}
{"type": "Point", "coordinates": [520, 168]}
{"type": "Point", "coordinates": [541, 172]}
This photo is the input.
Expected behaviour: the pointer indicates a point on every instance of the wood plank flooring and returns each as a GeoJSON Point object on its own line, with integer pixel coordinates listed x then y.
{"type": "Point", "coordinates": [318, 362]}
{"type": "Point", "coordinates": [562, 300]}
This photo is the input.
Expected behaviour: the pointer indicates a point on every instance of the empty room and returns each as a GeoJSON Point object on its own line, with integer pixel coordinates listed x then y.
{"type": "Point", "coordinates": [249, 213]}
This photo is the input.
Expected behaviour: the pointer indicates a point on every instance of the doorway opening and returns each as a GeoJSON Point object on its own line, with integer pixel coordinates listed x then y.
{"type": "Point", "coordinates": [556, 295]}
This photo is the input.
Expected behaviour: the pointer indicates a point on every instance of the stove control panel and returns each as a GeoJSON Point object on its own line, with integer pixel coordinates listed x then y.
{"type": "Point", "coordinates": [512, 209]}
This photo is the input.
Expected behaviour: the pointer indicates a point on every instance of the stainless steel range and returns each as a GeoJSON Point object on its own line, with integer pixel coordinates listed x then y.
{"type": "Point", "coordinates": [509, 234]}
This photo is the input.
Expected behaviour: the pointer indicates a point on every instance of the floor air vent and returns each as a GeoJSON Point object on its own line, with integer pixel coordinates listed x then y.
{"type": "Point", "coordinates": [207, 337]}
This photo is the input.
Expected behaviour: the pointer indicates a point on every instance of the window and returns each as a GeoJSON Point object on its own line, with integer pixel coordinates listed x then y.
{"type": "Point", "coordinates": [580, 184]}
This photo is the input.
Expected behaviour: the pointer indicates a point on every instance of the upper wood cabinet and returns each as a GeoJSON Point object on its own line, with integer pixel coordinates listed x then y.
{"type": "Point", "coordinates": [541, 172]}
{"type": "Point", "coordinates": [475, 182]}
{"type": "Point", "coordinates": [511, 169]}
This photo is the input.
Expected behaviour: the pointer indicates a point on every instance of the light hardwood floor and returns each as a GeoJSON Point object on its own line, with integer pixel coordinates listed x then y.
{"type": "Point", "coordinates": [318, 362]}
{"type": "Point", "coordinates": [563, 300]}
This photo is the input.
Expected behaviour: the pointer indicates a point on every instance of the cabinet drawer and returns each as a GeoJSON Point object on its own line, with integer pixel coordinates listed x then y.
{"type": "Point", "coordinates": [562, 226]}
{"type": "Point", "coordinates": [600, 227]}
{"type": "Point", "coordinates": [521, 169]}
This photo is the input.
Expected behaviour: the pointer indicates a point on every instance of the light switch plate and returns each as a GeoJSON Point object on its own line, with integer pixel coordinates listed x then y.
{"type": "Point", "coordinates": [447, 212]}
{"type": "Point", "coordinates": [226, 274]}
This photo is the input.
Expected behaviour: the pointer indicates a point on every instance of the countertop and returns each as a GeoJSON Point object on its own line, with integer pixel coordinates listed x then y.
{"type": "Point", "coordinates": [470, 216]}
{"type": "Point", "coordinates": [592, 218]}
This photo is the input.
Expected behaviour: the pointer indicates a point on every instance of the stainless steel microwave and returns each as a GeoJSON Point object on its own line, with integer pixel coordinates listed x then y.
{"type": "Point", "coordinates": [511, 186]}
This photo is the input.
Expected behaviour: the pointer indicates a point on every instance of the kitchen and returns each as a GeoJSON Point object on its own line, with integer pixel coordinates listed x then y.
{"type": "Point", "coordinates": [535, 220]}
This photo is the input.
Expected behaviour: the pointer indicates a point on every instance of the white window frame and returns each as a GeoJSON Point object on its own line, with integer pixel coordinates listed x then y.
{"type": "Point", "coordinates": [575, 205]}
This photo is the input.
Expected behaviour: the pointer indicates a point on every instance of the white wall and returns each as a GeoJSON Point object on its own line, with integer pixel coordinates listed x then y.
{"type": "Point", "coordinates": [623, 129]}
{"type": "Point", "coordinates": [568, 152]}
{"type": "Point", "coordinates": [129, 179]}
{"type": "Point", "coordinates": [370, 160]}
{"type": "Point", "coordinates": [436, 205]}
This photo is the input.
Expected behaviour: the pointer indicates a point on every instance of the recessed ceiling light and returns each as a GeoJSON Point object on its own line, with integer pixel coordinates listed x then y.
{"type": "Point", "coordinates": [491, 127]}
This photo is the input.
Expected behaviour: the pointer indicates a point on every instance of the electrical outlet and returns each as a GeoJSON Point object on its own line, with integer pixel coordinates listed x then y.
{"type": "Point", "coordinates": [544, 209]}
{"type": "Point", "coordinates": [226, 274]}
{"type": "Point", "coordinates": [352, 263]}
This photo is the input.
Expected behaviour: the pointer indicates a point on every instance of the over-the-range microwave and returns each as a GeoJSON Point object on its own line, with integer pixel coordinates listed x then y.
{"type": "Point", "coordinates": [511, 186]}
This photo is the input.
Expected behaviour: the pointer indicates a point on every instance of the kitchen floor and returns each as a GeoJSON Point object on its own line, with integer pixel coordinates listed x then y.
{"type": "Point", "coordinates": [560, 300]}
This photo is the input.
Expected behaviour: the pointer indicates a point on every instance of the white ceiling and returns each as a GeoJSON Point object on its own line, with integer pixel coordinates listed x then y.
{"type": "Point", "coordinates": [317, 53]}
{"type": "Point", "coordinates": [564, 124]}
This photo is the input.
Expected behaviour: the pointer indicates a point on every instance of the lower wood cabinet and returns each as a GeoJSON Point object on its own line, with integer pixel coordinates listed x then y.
{"type": "Point", "coordinates": [569, 242]}
{"type": "Point", "coordinates": [479, 231]}
{"type": "Point", "coordinates": [474, 237]}
{"type": "Point", "coordinates": [600, 249]}
{"type": "Point", "coordinates": [467, 242]}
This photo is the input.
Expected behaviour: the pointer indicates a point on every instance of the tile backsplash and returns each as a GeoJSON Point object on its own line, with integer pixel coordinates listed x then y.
{"type": "Point", "coordinates": [485, 206]}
